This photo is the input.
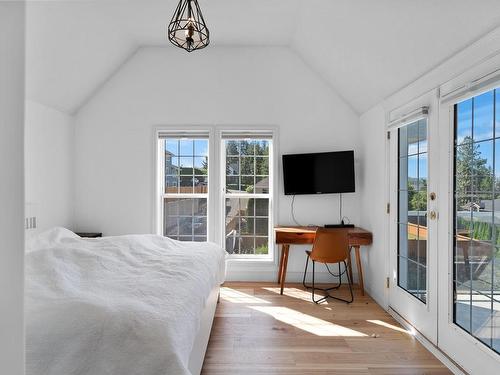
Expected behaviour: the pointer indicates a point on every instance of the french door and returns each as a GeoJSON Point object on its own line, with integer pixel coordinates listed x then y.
{"type": "Point", "coordinates": [444, 184]}
{"type": "Point", "coordinates": [469, 281]}
{"type": "Point", "coordinates": [413, 179]}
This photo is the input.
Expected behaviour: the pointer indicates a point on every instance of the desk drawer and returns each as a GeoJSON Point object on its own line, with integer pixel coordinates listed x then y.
{"type": "Point", "coordinates": [294, 238]}
{"type": "Point", "coordinates": [360, 238]}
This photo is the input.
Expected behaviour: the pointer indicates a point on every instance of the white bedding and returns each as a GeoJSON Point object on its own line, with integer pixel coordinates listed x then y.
{"type": "Point", "coordinates": [121, 305]}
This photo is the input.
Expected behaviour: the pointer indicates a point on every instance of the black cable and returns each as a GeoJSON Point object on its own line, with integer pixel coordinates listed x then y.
{"type": "Point", "coordinates": [331, 273]}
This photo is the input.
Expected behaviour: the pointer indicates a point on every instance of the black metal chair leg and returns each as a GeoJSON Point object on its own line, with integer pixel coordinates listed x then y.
{"type": "Point", "coordinates": [328, 295]}
{"type": "Point", "coordinates": [310, 287]}
{"type": "Point", "coordinates": [305, 272]}
{"type": "Point", "coordinates": [314, 287]}
{"type": "Point", "coordinates": [340, 277]}
{"type": "Point", "coordinates": [349, 281]}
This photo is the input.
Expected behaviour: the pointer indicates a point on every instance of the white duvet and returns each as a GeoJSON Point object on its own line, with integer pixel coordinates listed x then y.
{"type": "Point", "coordinates": [127, 305]}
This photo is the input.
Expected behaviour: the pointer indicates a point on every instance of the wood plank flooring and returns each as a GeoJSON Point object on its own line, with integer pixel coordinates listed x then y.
{"type": "Point", "coordinates": [258, 331]}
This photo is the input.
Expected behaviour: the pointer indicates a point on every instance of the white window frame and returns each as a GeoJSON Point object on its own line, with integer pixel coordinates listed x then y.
{"type": "Point", "coordinates": [192, 132]}
{"type": "Point", "coordinates": [239, 134]}
{"type": "Point", "coordinates": [216, 183]}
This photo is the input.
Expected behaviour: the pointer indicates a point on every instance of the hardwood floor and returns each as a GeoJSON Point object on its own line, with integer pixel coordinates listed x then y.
{"type": "Point", "coordinates": [257, 331]}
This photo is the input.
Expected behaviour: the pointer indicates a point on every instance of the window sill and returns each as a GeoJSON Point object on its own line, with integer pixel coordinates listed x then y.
{"type": "Point", "coordinates": [249, 260]}
{"type": "Point", "coordinates": [248, 263]}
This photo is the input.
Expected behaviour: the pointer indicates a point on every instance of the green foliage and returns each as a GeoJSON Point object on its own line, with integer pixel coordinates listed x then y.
{"type": "Point", "coordinates": [262, 250]}
{"type": "Point", "coordinates": [472, 173]}
{"type": "Point", "coordinates": [247, 158]}
{"type": "Point", "coordinates": [473, 176]}
{"type": "Point", "coordinates": [480, 230]}
{"type": "Point", "coordinates": [247, 148]}
{"type": "Point", "coordinates": [417, 200]}
{"type": "Point", "coordinates": [232, 148]}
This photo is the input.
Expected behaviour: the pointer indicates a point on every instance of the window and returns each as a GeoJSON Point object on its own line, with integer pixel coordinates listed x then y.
{"type": "Point", "coordinates": [185, 192]}
{"type": "Point", "coordinates": [247, 195]}
{"type": "Point", "coordinates": [243, 206]}
{"type": "Point", "coordinates": [412, 213]}
{"type": "Point", "coordinates": [476, 254]}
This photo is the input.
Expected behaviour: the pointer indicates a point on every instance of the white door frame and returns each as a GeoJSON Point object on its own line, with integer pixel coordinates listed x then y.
{"type": "Point", "coordinates": [469, 352]}
{"type": "Point", "coordinates": [423, 316]}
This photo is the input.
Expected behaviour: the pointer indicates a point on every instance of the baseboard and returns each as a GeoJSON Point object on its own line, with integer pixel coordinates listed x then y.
{"type": "Point", "coordinates": [438, 353]}
{"type": "Point", "coordinates": [270, 276]}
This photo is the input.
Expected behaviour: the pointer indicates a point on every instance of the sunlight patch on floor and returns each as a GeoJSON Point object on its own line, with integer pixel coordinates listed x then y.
{"type": "Point", "coordinates": [292, 292]}
{"type": "Point", "coordinates": [307, 323]}
{"type": "Point", "coordinates": [235, 296]}
{"type": "Point", "coordinates": [391, 326]}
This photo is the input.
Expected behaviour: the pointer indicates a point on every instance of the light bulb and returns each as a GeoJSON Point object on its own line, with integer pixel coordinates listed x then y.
{"type": "Point", "coordinates": [190, 31]}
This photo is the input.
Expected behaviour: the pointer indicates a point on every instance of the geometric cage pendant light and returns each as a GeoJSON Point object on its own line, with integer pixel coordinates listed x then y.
{"type": "Point", "coordinates": [187, 29]}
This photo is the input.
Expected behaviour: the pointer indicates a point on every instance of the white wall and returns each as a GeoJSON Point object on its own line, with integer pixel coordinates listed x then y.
{"type": "Point", "coordinates": [373, 201]}
{"type": "Point", "coordinates": [12, 21]}
{"type": "Point", "coordinates": [48, 167]}
{"type": "Point", "coordinates": [237, 86]}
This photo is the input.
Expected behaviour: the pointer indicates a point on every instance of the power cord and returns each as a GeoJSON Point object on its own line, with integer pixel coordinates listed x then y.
{"type": "Point", "coordinates": [346, 220]}
{"type": "Point", "coordinates": [334, 275]}
{"type": "Point", "coordinates": [293, 211]}
{"type": "Point", "coordinates": [343, 219]}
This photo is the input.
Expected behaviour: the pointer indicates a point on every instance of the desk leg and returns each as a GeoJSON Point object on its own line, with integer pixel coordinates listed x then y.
{"type": "Point", "coordinates": [280, 269]}
{"type": "Point", "coordinates": [360, 270]}
{"type": "Point", "coordinates": [349, 264]}
{"type": "Point", "coordinates": [285, 249]}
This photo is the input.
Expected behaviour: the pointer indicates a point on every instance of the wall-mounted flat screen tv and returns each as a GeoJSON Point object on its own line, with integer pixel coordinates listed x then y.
{"type": "Point", "coordinates": [319, 173]}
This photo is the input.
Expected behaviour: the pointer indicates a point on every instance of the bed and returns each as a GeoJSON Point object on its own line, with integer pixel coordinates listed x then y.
{"type": "Point", "coordinates": [138, 304]}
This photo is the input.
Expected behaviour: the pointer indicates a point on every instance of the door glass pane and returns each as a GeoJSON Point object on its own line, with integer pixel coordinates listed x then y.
{"type": "Point", "coordinates": [483, 116]}
{"type": "Point", "coordinates": [477, 219]}
{"type": "Point", "coordinates": [412, 210]}
{"type": "Point", "coordinates": [495, 318]}
{"type": "Point", "coordinates": [464, 122]}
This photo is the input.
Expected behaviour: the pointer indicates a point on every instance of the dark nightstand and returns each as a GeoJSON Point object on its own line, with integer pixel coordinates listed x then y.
{"type": "Point", "coordinates": [89, 234]}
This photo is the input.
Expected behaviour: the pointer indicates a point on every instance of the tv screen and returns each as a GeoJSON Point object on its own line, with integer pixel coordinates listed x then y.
{"type": "Point", "coordinates": [319, 173]}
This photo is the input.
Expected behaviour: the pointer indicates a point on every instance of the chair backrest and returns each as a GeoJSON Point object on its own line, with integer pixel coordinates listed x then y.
{"type": "Point", "coordinates": [330, 246]}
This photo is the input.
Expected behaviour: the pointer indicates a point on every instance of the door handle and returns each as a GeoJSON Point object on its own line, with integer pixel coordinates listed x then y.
{"type": "Point", "coordinates": [433, 215]}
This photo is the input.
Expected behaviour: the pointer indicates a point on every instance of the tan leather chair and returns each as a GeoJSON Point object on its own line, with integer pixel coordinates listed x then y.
{"type": "Point", "coordinates": [330, 246]}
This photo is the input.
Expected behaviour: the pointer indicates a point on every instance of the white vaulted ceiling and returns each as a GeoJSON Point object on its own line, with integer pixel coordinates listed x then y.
{"type": "Point", "coordinates": [364, 49]}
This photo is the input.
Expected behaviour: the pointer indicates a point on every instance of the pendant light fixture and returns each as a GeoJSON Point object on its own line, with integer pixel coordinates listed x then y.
{"type": "Point", "coordinates": [187, 29]}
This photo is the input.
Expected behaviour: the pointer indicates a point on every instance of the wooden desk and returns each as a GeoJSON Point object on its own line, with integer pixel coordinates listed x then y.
{"type": "Point", "coordinates": [294, 235]}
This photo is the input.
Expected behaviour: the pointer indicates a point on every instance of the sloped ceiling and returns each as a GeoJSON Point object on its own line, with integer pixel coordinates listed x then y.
{"type": "Point", "coordinates": [369, 49]}
{"type": "Point", "coordinates": [364, 49]}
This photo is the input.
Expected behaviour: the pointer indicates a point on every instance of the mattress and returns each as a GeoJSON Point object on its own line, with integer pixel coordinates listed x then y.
{"type": "Point", "coordinates": [115, 305]}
